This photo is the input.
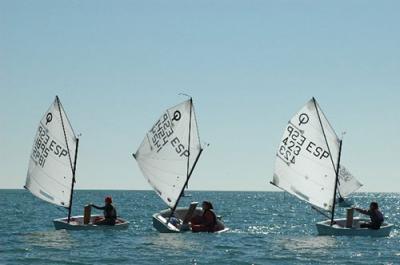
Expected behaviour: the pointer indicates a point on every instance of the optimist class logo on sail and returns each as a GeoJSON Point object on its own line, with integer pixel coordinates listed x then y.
{"type": "Point", "coordinates": [294, 141]}
{"type": "Point", "coordinates": [163, 130]}
{"type": "Point", "coordinates": [44, 144]}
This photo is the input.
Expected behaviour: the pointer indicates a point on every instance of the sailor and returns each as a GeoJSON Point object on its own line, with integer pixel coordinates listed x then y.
{"type": "Point", "coordinates": [375, 215]}
{"type": "Point", "coordinates": [110, 213]}
{"type": "Point", "coordinates": [206, 222]}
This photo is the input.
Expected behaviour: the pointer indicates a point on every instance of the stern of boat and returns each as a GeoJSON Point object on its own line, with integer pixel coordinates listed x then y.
{"type": "Point", "coordinates": [160, 224]}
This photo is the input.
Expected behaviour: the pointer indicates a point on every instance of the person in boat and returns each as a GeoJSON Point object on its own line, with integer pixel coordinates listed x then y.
{"type": "Point", "coordinates": [207, 222]}
{"type": "Point", "coordinates": [375, 215]}
{"type": "Point", "coordinates": [110, 213]}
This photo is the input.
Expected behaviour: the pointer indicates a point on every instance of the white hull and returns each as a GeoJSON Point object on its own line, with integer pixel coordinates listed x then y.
{"type": "Point", "coordinates": [160, 221]}
{"type": "Point", "coordinates": [76, 223]}
{"type": "Point", "coordinates": [339, 228]}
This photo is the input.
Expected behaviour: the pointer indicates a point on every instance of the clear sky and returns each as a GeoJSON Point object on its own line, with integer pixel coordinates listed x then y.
{"type": "Point", "coordinates": [249, 65]}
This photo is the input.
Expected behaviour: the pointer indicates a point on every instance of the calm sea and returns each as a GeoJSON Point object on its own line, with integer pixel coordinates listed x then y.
{"type": "Point", "coordinates": [265, 228]}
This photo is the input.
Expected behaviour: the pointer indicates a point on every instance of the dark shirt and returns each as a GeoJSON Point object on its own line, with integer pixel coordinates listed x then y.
{"type": "Point", "coordinates": [375, 216]}
{"type": "Point", "coordinates": [109, 211]}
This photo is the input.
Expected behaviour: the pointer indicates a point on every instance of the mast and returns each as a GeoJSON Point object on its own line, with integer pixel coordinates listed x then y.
{"type": "Point", "coordinates": [188, 174]}
{"type": "Point", "coordinates": [190, 133]}
{"type": "Point", "coordinates": [183, 189]}
{"type": "Point", "coordinates": [336, 182]}
{"type": "Point", "coordinates": [73, 180]}
{"type": "Point", "coordinates": [323, 132]}
{"type": "Point", "coordinates": [333, 164]}
{"type": "Point", "coordinates": [70, 160]}
{"type": "Point", "coordinates": [188, 160]}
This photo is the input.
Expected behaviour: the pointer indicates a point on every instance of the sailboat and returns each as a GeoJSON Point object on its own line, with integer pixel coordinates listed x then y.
{"type": "Point", "coordinates": [307, 166]}
{"type": "Point", "coordinates": [347, 185]}
{"type": "Point", "coordinates": [167, 157]}
{"type": "Point", "coordinates": [52, 167]}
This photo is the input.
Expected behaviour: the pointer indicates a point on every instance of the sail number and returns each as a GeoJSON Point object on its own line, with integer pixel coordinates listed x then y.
{"type": "Point", "coordinates": [294, 142]}
{"type": "Point", "coordinates": [45, 145]}
{"type": "Point", "coordinates": [162, 132]}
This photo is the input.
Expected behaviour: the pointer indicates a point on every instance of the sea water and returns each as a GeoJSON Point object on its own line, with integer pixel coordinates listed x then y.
{"type": "Point", "coordinates": [265, 228]}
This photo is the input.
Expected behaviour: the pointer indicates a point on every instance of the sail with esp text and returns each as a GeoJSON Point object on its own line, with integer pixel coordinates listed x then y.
{"type": "Point", "coordinates": [169, 151]}
{"type": "Point", "coordinates": [50, 170]}
{"type": "Point", "coordinates": [307, 155]}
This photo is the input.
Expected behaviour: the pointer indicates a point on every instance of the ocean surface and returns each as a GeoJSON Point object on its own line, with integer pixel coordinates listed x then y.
{"type": "Point", "coordinates": [265, 228]}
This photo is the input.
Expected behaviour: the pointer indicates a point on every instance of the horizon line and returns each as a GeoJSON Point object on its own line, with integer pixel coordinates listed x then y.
{"type": "Point", "coordinates": [1, 189]}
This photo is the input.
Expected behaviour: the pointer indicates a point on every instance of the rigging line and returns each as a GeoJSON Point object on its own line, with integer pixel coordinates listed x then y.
{"type": "Point", "coordinates": [323, 132]}
{"type": "Point", "coordinates": [186, 95]}
{"type": "Point", "coordinates": [66, 116]}
{"type": "Point", "coordinates": [197, 126]}
{"type": "Point", "coordinates": [73, 167]}
{"type": "Point", "coordinates": [320, 212]}
{"type": "Point", "coordinates": [188, 174]}
{"type": "Point", "coordinates": [336, 169]}
{"type": "Point", "coordinates": [49, 132]}
{"type": "Point", "coordinates": [190, 132]}
{"type": "Point", "coordinates": [65, 134]}
{"type": "Point", "coordinates": [61, 209]}
{"type": "Point", "coordinates": [277, 186]}
{"type": "Point", "coordinates": [338, 191]}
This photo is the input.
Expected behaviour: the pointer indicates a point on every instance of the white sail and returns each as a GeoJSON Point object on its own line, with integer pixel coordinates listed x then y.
{"type": "Point", "coordinates": [51, 161]}
{"type": "Point", "coordinates": [164, 153]}
{"type": "Point", "coordinates": [347, 183]}
{"type": "Point", "coordinates": [306, 159]}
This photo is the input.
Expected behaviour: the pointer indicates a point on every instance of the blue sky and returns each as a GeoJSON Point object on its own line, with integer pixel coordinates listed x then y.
{"type": "Point", "coordinates": [249, 65]}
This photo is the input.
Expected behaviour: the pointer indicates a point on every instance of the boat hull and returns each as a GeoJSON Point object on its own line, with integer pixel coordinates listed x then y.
{"type": "Point", "coordinates": [76, 223]}
{"type": "Point", "coordinates": [339, 228]}
{"type": "Point", "coordinates": [175, 226]}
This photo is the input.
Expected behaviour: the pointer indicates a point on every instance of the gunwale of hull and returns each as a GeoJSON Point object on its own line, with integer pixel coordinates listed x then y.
{"type": "Point", "coordinates": [76, 223]}
{"type": "Point", "coordinates": [339, 229]}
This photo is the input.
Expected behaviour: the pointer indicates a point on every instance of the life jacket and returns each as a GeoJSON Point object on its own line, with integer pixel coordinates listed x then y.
{"type": "Point", "coordinates": [111, 212]}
